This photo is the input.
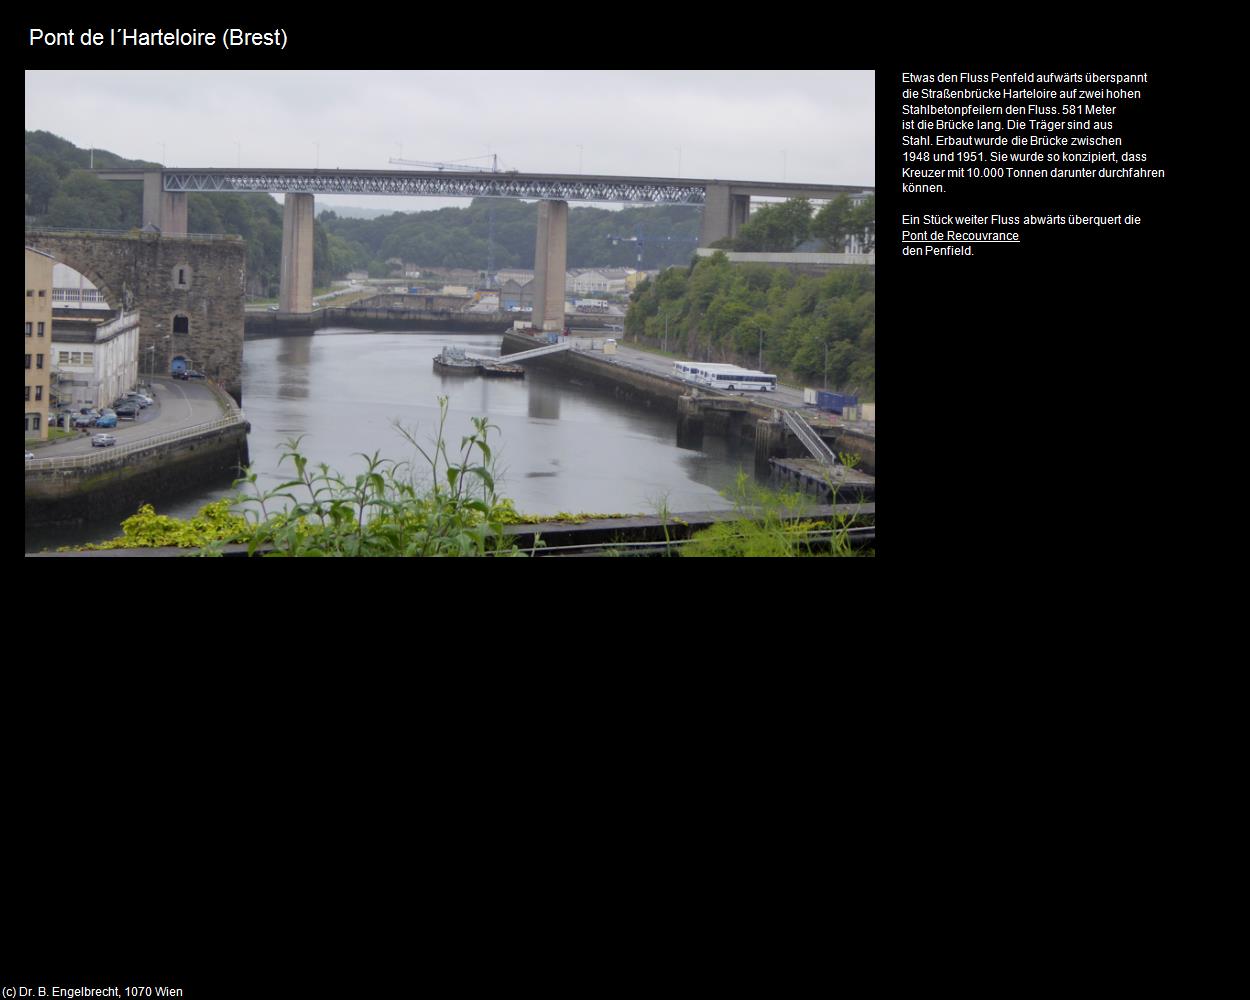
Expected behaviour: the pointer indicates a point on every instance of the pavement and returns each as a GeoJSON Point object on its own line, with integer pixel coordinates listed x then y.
{"type": "Point", "coordinates": [178, 405]}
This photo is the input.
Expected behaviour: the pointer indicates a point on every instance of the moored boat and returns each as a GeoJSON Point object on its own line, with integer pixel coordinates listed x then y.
{"type": "Point", "coordinates": [503, 371]}
{"type": "Point", "coordinates": [452, 361]}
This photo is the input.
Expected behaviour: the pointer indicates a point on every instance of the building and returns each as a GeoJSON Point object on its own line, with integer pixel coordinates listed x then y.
{"type": "Point", "coordinates": [516, 293]}
{"type": "Point", "coordinates": [70, 290]}
{"type": "Point", "coordinates": [597, 281]}
{"type": "Point", "coordinates": [38, 342]}
{"type": "Point", "coordinates": [94, 363]}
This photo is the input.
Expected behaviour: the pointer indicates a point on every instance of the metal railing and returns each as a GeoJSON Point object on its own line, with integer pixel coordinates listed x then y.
{"type": "Point", "coordinates": [811, 440]}
{"type": "Point", "coordinates": [117, 451]}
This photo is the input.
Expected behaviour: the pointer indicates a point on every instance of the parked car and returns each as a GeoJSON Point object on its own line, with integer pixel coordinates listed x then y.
{"type": "Point", "coordinates": [84, 420]}
{"type": "Point", "coordinates": [181, 373]}
{"type": "Point", "coordinates": [103, 440]}
{"type": "Point", "coordinates": [194, 374]}
{"type": "Point", "coordinates": [130, 410]}
{"type": "Point", "coordinates": [30, 455]}
{"type": "Point", "coordinates": [106, 420]}
{"type": "Point", "coordinates": [143, 400]}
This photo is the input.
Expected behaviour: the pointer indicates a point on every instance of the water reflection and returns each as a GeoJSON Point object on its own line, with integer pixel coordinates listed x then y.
{"type": "Point", "coordinates": [560, 447]}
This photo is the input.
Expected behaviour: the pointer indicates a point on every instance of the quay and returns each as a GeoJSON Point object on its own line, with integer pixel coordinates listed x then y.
{"type": "Point", "coordinates": [756, 418]}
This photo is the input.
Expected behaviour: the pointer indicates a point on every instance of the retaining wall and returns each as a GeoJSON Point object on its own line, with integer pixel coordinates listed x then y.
{"type": "Point", "coordinates": [112, 487]}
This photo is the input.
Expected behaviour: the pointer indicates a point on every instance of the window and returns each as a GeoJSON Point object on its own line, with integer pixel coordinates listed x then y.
{"type": "Point", "coordinates": [43, 293]}
{"type": "Point", "coordinates": [65, 357]}
{"type": "Point", "coordinates": [182, 324]}
{"type": "Point", "coordinates": [30, 293]}
{"type": "Point", "coordinates": [88, 357]}
{"type": "Point", "coordinates": [28, 361]}
{"type": "Point", "coordinates": [38, 360]}
{"type": "Point", "coordinates": [41, 328]}
{"type": "Point", "coordinates": [38, 392]}
{"type": "Point", "coordinates": [76, 358]}
{"type": "Point", "coordinates": [28, 329]}
{"type": "Point", "coordinates": [182, 275]}
{"type": "Point", "coordinates": [28, 394]}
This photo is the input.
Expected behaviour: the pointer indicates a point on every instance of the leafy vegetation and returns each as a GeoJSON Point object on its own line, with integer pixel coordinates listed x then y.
{"type": "Point", "coordinates": [148, 530]}
{"type": "Point", "coordinates": [804, 326]}
{"type": "Point", "coordinates": [460, 237]}
{"type": "Point", "coordinates": [767, 526]}
{"type": "Point", "coordinates": [386, 510]}
{"type": "Point", "coordinates": [781, 227]}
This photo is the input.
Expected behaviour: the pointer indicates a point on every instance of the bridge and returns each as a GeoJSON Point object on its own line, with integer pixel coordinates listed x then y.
{"type": "Point", "coordinates": [726, 208]}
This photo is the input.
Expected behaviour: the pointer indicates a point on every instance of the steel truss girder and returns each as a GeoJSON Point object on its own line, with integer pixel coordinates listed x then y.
{"type": "Point", "coordinates": [442, 185]}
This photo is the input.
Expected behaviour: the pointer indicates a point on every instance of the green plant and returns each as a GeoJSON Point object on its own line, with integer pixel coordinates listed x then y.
{"type": "Point", "coordinates": [385, 510]}
{"type": "Point", "coordinates": [214, 523]}
{"type": "Point", "coordinates": [769, 523]}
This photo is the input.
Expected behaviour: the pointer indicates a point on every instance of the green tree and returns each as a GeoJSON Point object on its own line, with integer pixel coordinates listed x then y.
{"type": "Point", "coordinates": [42, 184]}
{"type": "Point", "coordinates": [776, 228]}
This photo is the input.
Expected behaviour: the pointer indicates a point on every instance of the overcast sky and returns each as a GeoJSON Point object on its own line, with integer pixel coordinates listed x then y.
{"type": "Point", "coordinates": [796, 125]}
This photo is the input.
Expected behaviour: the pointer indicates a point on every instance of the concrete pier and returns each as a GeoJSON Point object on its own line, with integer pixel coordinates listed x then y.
{"type": "Point", "coordinates": [550, 261]}
{"type": "Point", "coordinates": [724, 214]}
{"type": "Point", "coordinates": [296, 292]}
{"type": "Point", "coordinates": [166, 210]}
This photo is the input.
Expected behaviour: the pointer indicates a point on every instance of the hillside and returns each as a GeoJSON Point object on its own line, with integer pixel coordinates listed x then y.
{"type": "Point", "coordinates": [60, 191]}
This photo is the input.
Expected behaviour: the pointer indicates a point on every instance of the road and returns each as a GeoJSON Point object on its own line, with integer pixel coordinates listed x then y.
{"type": "Point", "coordinates": [783, 398]}
{"type": "Point", "coordinates": [178, 405]}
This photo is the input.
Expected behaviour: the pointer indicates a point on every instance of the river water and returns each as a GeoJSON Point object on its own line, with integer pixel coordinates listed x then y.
{"type": "Point", "coordinates": [560, 446]}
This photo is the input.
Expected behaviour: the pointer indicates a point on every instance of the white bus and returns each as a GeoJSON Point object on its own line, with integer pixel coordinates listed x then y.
{"type": "Point", "coordinates": [697, 371]}
{"type": "Point", "coordinates": [731, 378]}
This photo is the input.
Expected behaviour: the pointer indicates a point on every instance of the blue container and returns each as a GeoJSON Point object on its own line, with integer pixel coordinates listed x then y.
{"type": "Point", "coordinates": [830, 402]}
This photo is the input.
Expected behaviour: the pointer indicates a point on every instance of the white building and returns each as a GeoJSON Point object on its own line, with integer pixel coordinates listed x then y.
{"type": "Point", "coordinates": [94, 364]}
{"type": "Point", "coordinates": [70, 290]}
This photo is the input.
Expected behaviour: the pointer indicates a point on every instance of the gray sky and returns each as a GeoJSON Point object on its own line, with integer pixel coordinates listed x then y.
{"type": "Point", "coordinates": [814, 126]}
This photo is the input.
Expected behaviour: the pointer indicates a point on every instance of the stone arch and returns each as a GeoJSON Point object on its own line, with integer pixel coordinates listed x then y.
{"type": "Point", "coordinates": [78, 257]}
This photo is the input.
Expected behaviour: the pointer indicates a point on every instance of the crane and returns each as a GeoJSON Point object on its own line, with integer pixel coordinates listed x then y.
{"type": "Point", "coordinates": [490, 208]}
{"type": "Point", "coordinates": [453, 165]}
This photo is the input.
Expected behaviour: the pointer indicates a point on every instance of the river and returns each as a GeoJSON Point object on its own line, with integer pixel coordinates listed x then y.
{"type": "Point", "coordinates": [560, 446]}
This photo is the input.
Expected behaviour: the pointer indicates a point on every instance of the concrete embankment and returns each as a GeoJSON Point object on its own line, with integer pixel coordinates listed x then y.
{"type": "Point", "coordinates": [270, 323]}
{"type": "Point", "coordinates": [113, 484]}
{"type": "Point", "coordinates": [274, 324]}
{"type": "Point", "coordinates": [750, 419]}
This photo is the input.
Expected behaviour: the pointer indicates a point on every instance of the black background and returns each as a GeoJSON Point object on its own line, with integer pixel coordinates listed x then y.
{"type": "Point", "coordinates": [1011, 383]}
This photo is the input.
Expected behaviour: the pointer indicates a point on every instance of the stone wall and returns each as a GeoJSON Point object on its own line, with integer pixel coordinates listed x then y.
{"type": "Point", "coordinates": [177, 284]}
{"type": "Point", "coordinates": [116, 488]}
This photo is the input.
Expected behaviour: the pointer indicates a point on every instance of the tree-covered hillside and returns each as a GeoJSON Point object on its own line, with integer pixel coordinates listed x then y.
{"type": "Point", "coordinates": [60, 191]}
{"type": "Point", "coordinates": [460, 237]}
{"type": "Point", "coordinates": [808, 326]}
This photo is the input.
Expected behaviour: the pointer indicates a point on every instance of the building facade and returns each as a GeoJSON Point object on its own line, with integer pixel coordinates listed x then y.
{"type": "Point", "coordinates": [38, 342]}
{"type": "Point", "coordinates": [94, 364]}
{"type": "Point", "coordinates": [71, 290]}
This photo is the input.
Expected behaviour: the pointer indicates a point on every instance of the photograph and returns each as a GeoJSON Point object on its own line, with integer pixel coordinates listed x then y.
{"type": "Point", "coordinates": [615, 313]}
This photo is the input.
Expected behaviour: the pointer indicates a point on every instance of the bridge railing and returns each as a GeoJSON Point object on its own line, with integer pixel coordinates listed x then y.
{"type": "Point", "coordinates": [115, 451]}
